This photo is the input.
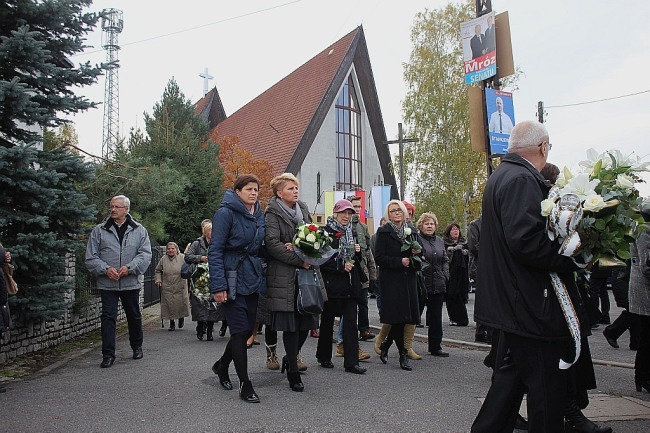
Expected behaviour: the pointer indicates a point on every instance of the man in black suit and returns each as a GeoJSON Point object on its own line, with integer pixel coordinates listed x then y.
{"type": "Point", "coordinates": [476, 43]}
{"type": "Point", "coordinates": [489, 43]}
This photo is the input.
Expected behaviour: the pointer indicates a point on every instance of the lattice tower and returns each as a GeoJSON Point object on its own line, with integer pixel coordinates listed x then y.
{"type": "Point", "coordinates": [112, 25]}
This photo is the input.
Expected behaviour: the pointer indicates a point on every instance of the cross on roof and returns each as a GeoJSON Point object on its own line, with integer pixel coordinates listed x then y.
{"type": "Point", "coordinates": [205, 77]}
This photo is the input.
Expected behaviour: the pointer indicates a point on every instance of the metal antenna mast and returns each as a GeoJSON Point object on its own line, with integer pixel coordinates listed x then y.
{"type": "Point", "coordinates": [112, 24]}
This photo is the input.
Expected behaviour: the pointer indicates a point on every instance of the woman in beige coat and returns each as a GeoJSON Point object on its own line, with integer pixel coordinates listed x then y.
{"type": "Point", "coordinates": [174, 297]}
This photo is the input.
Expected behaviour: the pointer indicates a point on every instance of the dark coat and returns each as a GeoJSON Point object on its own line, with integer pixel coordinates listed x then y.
{"type": "Point", "coordinates": [237, 237]}
{"type": "Point", "coordinates": [399, 293]}
{"type": "Point", "coordinates": [282, 263]}
{"type": "Point", "coordinates": [458, 266]}
{"type": "Point", "coordinates": [515, 292]}
{"type": "Point", "coordinates": [640, 274]}
{"type": "Point", "coordinates": [436, 276]}
{"type": "Point", "coordinates": [476, 44]}
{"type": "Point", "coordinates": [338, 283]}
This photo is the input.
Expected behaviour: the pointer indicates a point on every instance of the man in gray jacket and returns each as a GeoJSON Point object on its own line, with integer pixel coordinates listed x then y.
{"type": "Point", "coordinates": [119, 253]}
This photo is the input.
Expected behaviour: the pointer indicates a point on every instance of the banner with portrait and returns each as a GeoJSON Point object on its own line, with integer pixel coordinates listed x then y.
{"type": "Point", "coordinates": [500, 119]}
{"type": "Point", "coordinates": [479, 48]}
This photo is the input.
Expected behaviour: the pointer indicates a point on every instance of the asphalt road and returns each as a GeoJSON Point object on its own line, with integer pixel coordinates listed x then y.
{"type": "Point", "coordinates": [172, 389]}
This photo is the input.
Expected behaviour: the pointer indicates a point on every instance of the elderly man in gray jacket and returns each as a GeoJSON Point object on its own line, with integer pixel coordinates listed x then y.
{"type": "Point", "coordinates": [119, 253]}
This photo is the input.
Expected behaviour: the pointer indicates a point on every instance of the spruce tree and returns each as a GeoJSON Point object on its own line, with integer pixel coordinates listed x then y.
{"type": "Point", "coordinates": [42, 212]}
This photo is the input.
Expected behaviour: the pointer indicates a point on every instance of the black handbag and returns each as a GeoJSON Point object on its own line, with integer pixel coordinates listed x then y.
{"type": "Point", "coordinates": [187, 270]}
{"type": "Point", "coordinates": [310, 298]}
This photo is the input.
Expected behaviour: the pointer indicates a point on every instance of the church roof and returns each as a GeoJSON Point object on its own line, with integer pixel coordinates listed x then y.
{"type": "Point", "coordinates": [281, 124]}
{"type": "Point", "coordinates": [210, 108]}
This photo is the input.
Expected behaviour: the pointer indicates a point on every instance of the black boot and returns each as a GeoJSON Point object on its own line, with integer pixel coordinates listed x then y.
{"type": "Point", "coordinates": [172, 325]}
{"type": "Point", "coordinates": [295, 382]}
{"type": "Point", "coordinates": [383, 356]}
{"type": "Point", "coordinates": [576, 422]}
{"type": "Point", "coordinates": [222, 330]}
{"type": "Point", "coordinates": [247, 393]}
{"type": "Point", "coordinates": [200, 329]}
{"type": "Point", "coordinates": [209, 331]}
{"type": "Point", "coordinates": [404, 361]}
{"type": "Point", "coordinates": [181, 322]}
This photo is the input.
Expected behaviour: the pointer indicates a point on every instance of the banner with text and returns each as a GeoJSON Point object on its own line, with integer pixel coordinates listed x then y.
{"type": "Point", "coordinates": [479, 48]}
{"type": "Point", "coordinates": [501, 119]}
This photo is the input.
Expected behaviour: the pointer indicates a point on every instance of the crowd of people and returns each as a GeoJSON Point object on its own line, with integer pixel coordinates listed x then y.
{"type": "Point", "coordinates": [254, 269]}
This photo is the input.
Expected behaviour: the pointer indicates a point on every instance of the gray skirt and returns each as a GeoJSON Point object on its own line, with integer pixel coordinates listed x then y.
{"type": "Point", "coordinates": [291, 321]}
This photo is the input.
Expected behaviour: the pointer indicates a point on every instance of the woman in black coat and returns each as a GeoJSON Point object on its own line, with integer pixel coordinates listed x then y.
{"type": "Point", "coordinates": [342, 276]}
{"type": "Point", "coordinates": [397, 273]}
{"type": "Point", "coordinates": [436, 278]}
{"type": "Point", "coordinates": [458, 289]}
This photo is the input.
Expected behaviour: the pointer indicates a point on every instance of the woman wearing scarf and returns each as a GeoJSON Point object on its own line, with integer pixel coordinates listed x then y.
{"type": "Point", "coordinates": [399, 293]}
{"type": "Point", "coordinates": [342, 276]}
{"type": "Point", "coordinates": [282, 214]}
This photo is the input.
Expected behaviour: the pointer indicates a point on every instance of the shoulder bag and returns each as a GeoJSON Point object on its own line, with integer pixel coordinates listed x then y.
{"type": "Point", "coordinates": [309, 299]}
{"type": "Point", "coordinates": [12, 287]}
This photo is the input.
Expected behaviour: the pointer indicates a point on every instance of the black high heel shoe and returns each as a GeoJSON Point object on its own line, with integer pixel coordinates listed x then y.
{"type": "Point", "coordinates": [295, 382]}
{"type": "Point", "coordinates": [641, 385]}
{"type": "Point", "coordinates": [383, 356]}
{"type": "Point", "coordinates": [404, 361]}
{"type": "Point", "coordinates": [247, 393]}
{"type": "Point", "coordinates": [224, 379]}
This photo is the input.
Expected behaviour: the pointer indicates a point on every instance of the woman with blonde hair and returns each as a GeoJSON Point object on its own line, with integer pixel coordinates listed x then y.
{"type": "Point", "coordinates": [397, 273]}
{"type": "Point", "coordinates": [282, 215]}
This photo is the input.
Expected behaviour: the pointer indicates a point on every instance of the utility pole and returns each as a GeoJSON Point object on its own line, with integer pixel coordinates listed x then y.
{"type": "Point", "coordinates": [540, 112]}
{"type": "Point", "coordinates": [401, 140]}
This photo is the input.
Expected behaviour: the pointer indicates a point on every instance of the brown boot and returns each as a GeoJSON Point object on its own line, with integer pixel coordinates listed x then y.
{"type": "Point", "coordinates": [383, 333]}
{"type": "Point", "coordinates": [301, 364]}
{"type": "Point", "coordinates": [272, 362]}
{"type": "Point", "coordinates": [409, 334]}
{"type": "Point", "coordinates": [339, 350]}
{"type": "Point", "coordinates": [363, 355]}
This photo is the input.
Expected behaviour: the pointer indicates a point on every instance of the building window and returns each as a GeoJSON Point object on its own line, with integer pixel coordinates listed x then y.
{"type": "Point", "coordinates": [348, 138]}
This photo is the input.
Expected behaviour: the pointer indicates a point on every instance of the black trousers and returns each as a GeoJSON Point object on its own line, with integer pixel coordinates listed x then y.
{"type": "Point", "coordinates": [434, 314]}
{"type": "Point", "coordinates": [362, 302]}
{"type": "Point", "coordinates": [131, 304]}
{"type": "Point", "coordinates": [347, 309]}
{"type": "Point", "coordinates": [528, 365]}
{"type": "Point", "coordinates": [642, 360]}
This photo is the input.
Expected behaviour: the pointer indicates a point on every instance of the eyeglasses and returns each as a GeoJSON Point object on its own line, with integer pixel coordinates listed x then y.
{"type": "Point", "coordinates": [395, 211]}
{"type": "Point", "coordinates": [117, 207]}
{"type": "Point", "coordinates": [550, 146]}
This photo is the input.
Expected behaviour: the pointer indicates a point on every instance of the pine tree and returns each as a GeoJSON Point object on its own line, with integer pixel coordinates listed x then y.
{"type": "Point", "coordinates": [37, 79]}
{"type": "Point", "coordinates": [42, 212]}
{"type": "Point", "coordinates": [171, 173]}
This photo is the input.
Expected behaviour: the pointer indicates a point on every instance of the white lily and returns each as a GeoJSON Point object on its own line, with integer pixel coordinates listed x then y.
{"type": "Point", "coordinates": [592, 158]}
{"type": "Point", "coordinates": [563, 177]}
{"type": "Point", "coordinates": [581, 186]}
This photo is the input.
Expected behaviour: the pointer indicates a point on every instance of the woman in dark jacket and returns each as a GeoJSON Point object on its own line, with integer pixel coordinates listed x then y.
{"type": "Point", "coordinates": [282, 214]}
{"type": "Point", "coordinates": [204, 312]}
{"type": "Point", "coordinates": [397, 273]}
{"type": "Point", "coordinates": [235, 246]}
{"type": "Point", "coordinates": [436, 278]}
{"type": "Point", "coordinates": [458, 289]}
{"type": "Point", "coordinates": [343, 284]}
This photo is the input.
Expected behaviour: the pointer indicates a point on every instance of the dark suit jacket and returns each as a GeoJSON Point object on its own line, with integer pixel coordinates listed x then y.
{"type": "Point", "coordinates": [476, 43]}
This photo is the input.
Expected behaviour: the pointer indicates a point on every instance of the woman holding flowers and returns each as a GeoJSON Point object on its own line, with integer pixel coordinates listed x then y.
{"type": "Point", "coordinates": [398, 260]}
{"type": "Point", "coordinates": [342, 275]}
{"type": "Point", "coordinates": [204, 313]}
{"type": "Point", "coordinates": [284, 212]}
{"type": "Point", "coordinates": [235, 246]}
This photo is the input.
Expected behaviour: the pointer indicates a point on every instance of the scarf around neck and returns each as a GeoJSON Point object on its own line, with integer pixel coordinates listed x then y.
{"type": "Point", "coordinates": [399, 231]}
{"type": "Point", "coordinates": [294, 213]}
{"type": "Point", "coordinates": [348, 237]}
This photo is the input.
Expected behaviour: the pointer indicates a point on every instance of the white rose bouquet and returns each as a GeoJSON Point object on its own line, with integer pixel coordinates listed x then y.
{"type": "Point", "coordinates": [594, 213]}
{"type": "Point", "coordinates": [312, 244]}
